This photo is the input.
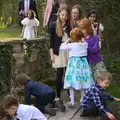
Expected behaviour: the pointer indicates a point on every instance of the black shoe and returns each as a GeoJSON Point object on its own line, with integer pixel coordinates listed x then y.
{"type": "Point", "coordinates": [50, 110]}
{"type": "Point", "coordinates": [59, 104]}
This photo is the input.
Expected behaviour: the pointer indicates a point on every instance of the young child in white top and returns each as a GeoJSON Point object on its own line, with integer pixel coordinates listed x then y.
{"type": "Point", "coordinates": [30, 24]}
{"type": "Point", "coordinates": [20, 111]}
{"type": "Point", "coordinates": [78, 75]}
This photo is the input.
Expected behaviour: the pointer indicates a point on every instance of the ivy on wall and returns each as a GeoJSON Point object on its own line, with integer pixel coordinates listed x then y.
{"type": "Point", "coordinates": [7, 63]}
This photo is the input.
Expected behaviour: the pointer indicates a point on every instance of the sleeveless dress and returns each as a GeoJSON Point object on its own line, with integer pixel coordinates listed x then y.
{"type": "Point", "coordinates": [62, 59]}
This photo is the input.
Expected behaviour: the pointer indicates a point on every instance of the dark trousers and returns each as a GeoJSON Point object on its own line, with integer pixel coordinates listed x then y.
{"type": "Point", "coordinates": [59, 81]}
{"type": "Point", "coordinates": [93, 111]}
{"type": "Point", "coordinates": [42, 101]}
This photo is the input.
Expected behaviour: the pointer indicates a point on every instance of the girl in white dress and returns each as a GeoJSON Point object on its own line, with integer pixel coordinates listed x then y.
{"type": "Point", "coordinates": [78, 75]}
{"type": "Point", "coordinates": [29, 26]}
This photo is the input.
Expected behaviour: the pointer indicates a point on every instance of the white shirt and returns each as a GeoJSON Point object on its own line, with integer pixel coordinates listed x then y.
{"type": "Point", "coordinates": [78, 49]}
{"type": "Point", "coordinates": [25, 9]}
{"type": "Point", "coordinates": [101, 27]}
{"type": "Point", "coordinates": [28, 112]}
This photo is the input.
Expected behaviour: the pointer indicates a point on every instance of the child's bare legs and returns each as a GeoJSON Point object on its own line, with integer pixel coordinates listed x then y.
{"type": "Point", "coordinates": [82, 94]}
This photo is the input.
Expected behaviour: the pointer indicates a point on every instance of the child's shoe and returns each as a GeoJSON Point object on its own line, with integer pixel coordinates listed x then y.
{"type": "Point", "coordinates": [70, 105]}
{"type": "Point", "coordinates": [50, 110]}
{"type": "Point", "coordinates": [59, 104]}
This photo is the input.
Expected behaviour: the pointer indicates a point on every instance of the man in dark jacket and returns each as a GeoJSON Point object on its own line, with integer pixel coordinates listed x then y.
{"type": "Point", "coordinates": [26, 5]}
{"type": "Point", "coordinates": [45, 95]}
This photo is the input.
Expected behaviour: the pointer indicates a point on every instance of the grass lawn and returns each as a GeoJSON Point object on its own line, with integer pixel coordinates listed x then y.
{"type": "Point", "coordinates": [10, 32]}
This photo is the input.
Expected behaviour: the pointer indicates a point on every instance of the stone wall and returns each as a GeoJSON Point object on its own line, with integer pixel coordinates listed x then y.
{"type": "Point", "coordinates": [31, 57]}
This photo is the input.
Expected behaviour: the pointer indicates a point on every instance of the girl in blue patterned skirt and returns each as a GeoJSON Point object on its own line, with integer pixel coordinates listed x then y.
{"type": "Point", "coordinates": [78, 75]}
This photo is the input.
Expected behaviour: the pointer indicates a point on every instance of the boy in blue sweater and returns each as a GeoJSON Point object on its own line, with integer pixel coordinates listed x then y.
{"type": "Point", "coordinates": [45, 95]}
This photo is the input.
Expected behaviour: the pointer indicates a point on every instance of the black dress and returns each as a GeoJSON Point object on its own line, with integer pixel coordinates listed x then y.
{"type": "Point", "coordinates": [53, 16]}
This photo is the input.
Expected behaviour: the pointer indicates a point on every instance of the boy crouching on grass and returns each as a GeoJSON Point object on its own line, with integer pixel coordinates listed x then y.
{"type": "Point", "coordinates": [20, 111]}
{"type": "Point", "coordinates": [44, 95]}
{"type": "Point", "coordinates": [94, 101]}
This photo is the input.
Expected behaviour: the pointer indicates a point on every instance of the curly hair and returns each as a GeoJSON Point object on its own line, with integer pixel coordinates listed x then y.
{"type": "Point", "coordinates": [76, 35]}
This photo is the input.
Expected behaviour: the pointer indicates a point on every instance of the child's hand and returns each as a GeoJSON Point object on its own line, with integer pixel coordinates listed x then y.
{"type": "Point", "coordinates": [110, 116]}
{"type": "Point", "coordinates": [21, 12]}
{"type": "Point", "coordinates": [83, 40]}
{"type": "Point", "coordinates": [117, 99]}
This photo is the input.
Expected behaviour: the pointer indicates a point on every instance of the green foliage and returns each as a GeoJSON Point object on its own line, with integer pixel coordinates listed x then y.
{"type": "Point", "coordinates": [6, 68]}
{"type": "Point", "coordinates": [112, 62]}
{"type": "Point", "coordinates": [41, 47]}
{"type": "Point", "coordinates": [3, 24]}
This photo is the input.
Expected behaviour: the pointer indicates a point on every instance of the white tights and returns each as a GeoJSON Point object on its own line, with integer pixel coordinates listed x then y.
{"type": "Point", "coordinates": [72, 95]}
{"type": "Point", "coordinates": [82, 94]}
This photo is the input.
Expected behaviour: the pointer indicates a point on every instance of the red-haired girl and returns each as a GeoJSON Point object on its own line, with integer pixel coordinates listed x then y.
{"type": "Point", "coordinates": [78, 75]}
{"type": "Point", "coordinates": [94, 56]}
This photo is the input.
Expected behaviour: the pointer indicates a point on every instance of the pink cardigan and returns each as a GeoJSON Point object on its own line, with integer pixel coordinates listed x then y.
{"type": "Point", "coordinates": [47, 12]}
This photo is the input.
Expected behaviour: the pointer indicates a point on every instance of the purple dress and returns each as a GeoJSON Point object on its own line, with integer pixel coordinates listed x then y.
{"type": "Point", "coordinates": [94, 57]}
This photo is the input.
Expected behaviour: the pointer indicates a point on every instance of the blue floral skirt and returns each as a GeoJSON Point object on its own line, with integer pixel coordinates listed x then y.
{"type": "Point", "coordinates": [78, 74]}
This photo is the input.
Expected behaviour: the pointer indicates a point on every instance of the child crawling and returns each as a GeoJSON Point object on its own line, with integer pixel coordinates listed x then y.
{"type": "Point", "coordinates": [20, 111]}
{"type": "Point", "coordinates": [44, 95]}
{"type": "Point", "coordinates": [94, 100]}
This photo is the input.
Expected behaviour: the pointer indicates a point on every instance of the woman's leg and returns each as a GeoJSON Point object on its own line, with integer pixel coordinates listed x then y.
{"type": "Point", "coordinates": [59, 84]}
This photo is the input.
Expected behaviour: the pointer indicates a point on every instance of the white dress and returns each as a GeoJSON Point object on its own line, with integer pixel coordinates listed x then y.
{"type": "Point", "coordinates": [61, 60]}
{"type": "Point", "coordinates": [78, 74]}
{"type": "Point", "coordinates": [30, 24]}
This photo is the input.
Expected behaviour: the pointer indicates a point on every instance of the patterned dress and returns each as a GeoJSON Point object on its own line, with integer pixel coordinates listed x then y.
{"type": "Point", "coordinates": [78, 74]}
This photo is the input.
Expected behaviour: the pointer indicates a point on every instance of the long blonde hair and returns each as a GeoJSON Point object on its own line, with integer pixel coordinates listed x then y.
{"type": "Point", "coordinates": [59, 29]}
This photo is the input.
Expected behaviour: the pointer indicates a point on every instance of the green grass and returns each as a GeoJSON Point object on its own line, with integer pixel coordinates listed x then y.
{"type": "Point", "coordinates": [114, 90]}
{"type": "Point", "coordinates": [10, 32]}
